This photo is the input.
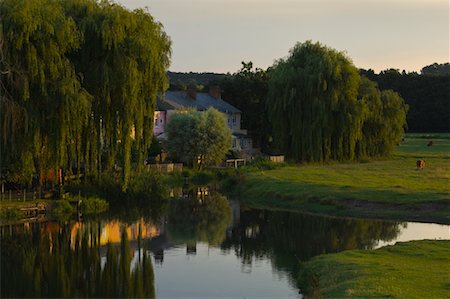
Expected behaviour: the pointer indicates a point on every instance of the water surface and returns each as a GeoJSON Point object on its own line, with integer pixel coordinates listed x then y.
{"type": "Point", "coordinates": [197, 247]}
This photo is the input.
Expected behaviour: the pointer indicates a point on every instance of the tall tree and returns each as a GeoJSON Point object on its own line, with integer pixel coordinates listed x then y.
{"type": "Point", "coordinates": [385, 119]}
{"type": "Point", "coordinates": [321, 109]}
{"type": "Point", "coordinates": [124, 58]}
{"type": "Point", "coordinates": [43, 104]}
{"type": "Point", "coordinates": [247, 90]}
{"type": "Point", "coordinates": [312, 104]}
{"type": "Point", "coordinates": [79, 80]}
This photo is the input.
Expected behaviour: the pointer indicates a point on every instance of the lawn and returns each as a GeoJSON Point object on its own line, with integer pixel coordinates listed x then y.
{"type": "Point", "coordinates": [417, 269]}
{"type": "Point", "coordinates": [391, 188]}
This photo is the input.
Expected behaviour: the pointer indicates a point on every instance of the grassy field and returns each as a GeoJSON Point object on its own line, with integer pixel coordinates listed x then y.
{"type": "Point", "coordinates": [418, 269]}
{"type": "Point", "coordinates": [391, 188]}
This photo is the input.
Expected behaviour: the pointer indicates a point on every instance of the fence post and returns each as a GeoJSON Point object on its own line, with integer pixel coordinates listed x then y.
{"type": "Point", "coordinates": [10, 195]}
{"type": "Point", "coordinates": [24, 194]}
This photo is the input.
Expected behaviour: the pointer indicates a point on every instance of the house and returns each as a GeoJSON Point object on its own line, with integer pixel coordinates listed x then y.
{"type": "Point", "coordinates": [176, 100]}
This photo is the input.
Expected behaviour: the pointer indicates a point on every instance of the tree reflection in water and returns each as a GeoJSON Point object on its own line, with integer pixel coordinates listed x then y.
{"type": "Point", "coordinates": [41, 263]}
{"type": "Point", "coordinates": [288, 238]}
{"type": "Point", "coordinates": [199, 218]}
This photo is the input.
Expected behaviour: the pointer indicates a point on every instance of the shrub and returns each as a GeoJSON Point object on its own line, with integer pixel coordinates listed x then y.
{"type": "Point", "coordinates": [147, 186]}
{"type": "Point", "coordinates": [62, 210]}
{"type": "Point", "coordinates": [93, 205]}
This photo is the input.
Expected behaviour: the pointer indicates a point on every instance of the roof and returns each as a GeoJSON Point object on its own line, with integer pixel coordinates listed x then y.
{"type": "Point", "coordinates": [179, 99]}
{"type": "Point", "coordinates": [163, 105]}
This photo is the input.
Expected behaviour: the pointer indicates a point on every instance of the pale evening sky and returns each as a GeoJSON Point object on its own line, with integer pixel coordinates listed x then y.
{"type": "Point", "coordinates": [216, 35]}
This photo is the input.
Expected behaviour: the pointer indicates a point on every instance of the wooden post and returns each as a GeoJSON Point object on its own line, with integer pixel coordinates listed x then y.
{"type": "Point", "coordinates": [24, 194]}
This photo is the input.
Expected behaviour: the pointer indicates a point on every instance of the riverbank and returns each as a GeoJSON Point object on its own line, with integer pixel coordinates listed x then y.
{"type": "Point", "coordinates": [387, 189]}
{"type": "Point", "coordinates": [12, 212]}
{"type": "Point", "coordinates": [417, 269]}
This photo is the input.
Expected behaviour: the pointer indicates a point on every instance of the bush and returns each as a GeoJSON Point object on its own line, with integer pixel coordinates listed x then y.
{"type": "Point", "coordinates": [93, 205]}
{"type": "Point", "coordinates": [263, 164]}
{"type": "Point", "coordinates": [147, 186]}
{"type": "Point", "coordinates": [62, 210]}
{"type": "Point", "coordinates": [105, 186]}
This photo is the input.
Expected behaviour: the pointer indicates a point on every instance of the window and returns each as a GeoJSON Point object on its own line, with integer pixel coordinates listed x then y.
{"type": "Point", "coordinates": [234, 119]}
{"type": "Point", "coordinates": [156, 122]}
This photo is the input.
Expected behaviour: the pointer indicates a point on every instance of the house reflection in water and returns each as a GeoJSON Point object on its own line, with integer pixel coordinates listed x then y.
{"type": "Point", "coordinates": [111, 232]}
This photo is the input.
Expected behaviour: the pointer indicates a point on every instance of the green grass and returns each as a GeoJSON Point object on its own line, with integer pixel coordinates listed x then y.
{"type": "Point", "coordinates": [418, 269]}
{"type": "Point", "coordinates": [391, 188]}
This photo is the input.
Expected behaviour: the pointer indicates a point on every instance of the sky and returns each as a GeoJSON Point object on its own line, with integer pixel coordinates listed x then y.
{"type": "Point", "coordinates": [216, 35]}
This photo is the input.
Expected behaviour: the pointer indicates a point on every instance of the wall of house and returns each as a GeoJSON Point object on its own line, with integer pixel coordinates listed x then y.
{"type": "Point", "coordinates": [234, 122]}
{"type": "Point", "coordinates": [159, 125]}
{"type": "Point", "coordinates": [241, 143]}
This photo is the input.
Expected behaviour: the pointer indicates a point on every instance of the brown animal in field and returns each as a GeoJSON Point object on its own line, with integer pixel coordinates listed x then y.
{"type": "Point", "coordinates": [420, 164]}
{"type": "Point", "coordinates": [430, 143]}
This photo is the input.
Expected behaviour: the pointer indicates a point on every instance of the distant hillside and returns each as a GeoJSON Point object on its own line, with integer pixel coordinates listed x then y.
{"type": "Point", "coordinates": [177, 78]}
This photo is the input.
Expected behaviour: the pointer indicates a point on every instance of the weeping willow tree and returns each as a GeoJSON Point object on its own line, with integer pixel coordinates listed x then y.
{"type": "Point", "coordinates": [43, 105]}
{"type": "Point", "coordinates": [385, 120]}
{"type": "Point", "coordinates": [79, 84]}
{"type": "Point", "coordinates": [315, 110]}
{"type": "Point", "coordinates": [123, 58]}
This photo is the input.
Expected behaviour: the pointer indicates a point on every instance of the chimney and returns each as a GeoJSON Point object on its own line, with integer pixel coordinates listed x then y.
{"type": "Point", "coordinates": [191, 92]}
{"type": "Point", "coordinates": [215, 91]}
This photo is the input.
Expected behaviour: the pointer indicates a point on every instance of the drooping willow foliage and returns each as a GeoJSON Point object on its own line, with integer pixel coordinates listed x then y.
{"type": "Point", "coordinates": [79, 81]}
{"type": "Point", "coordinates": [317, 111]}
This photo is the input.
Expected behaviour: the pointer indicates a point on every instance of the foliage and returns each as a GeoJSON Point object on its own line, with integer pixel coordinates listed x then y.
{"type": "Point", "coordinates": [436, 69]}
{"type": "Point", "coordinates": [426, 95]}
{"type": "Point", "coordinates": [93, 205]}
{"type": "Point", "coordinates": [263, 163]}
{"type": "Point", "coordinates": [405, 270]}
{"type": "Point", "coordinates": [314, 108]}
{"type": "Point", "coordinates": [147, 186]}
{"type": "Point", "coordinates": [385, 116]}
{"type": "Point", "coordinates": [79, 84]}
{"type": "Point", "coordinates": [198, 138]}
{"type": "Point", "coordinates": [62, 209]}
{"type": "Point", "coordinates": [247, 90]}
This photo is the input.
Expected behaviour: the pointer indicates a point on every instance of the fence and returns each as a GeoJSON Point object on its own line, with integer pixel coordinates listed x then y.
{"type": "Point", "coordinates": [235, 162]}
{"type": "Point", "coordinates": [276, 159]}
{"type": "Point", "coordinates": [166, 167]}
{"type": "Point", "coordinates": [22, 195]}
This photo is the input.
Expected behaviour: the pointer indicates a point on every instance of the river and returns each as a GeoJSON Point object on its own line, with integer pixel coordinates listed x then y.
{"type": "Point", "coordinates": [191, 247]}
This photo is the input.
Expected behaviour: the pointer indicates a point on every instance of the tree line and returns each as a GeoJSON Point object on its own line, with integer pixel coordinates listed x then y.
{"type": "Point", "coordinates": [427, 94]}
{"type": "Point", "coordinates": [79, 80]}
